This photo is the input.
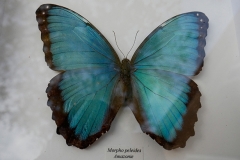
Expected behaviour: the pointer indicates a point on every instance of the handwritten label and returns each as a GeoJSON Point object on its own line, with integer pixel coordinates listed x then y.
{"type": "Point", "coordinates": [132, 153]}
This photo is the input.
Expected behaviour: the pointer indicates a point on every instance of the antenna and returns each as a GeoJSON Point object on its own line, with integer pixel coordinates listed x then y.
{"type": "Point", "coordinates": [133, 43]}
{"type": "Point", "coordinates": [117, 44]}
{"type": "Point", "coordinates": [131, 47]}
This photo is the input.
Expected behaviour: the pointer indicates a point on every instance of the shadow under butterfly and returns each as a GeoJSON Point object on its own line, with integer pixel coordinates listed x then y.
{"type": "Point", "coordinates": [93, 83]}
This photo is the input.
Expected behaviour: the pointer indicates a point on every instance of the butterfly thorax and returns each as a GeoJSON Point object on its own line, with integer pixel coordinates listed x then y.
{"type": "Point", "coordinates": [125, 71]}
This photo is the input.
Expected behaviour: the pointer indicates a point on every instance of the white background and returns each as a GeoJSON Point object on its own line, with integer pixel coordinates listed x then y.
{"type": "Point", "coordinates": [27, 131]}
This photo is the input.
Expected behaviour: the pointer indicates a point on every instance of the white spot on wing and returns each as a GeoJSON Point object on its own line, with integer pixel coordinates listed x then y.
{"type": "Point", "coordinates": [84, 20]}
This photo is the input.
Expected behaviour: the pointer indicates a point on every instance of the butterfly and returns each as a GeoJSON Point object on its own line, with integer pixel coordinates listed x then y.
{"type": "Point", "coordinates": [93, 84]}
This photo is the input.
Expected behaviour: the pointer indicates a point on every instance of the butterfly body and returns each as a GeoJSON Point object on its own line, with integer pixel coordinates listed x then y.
{"type": "Point", "coordinates": [126, 70]}
{"type": "Point", "coordinates": [93, 84]}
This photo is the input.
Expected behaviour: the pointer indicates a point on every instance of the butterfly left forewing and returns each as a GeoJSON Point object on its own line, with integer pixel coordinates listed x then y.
{"type": "Point", "coordinates": [71, 41]}
{"type": "Point", "coordinates": [165, 99]}
{"type": "Point", "coordinates": [86, 96]}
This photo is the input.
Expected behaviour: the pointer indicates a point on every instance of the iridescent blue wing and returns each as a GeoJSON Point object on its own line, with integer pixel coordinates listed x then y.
{"type": "Point", "coordinates": [166, 99]}
{"type": "Point", "coordinates": [83, 97]}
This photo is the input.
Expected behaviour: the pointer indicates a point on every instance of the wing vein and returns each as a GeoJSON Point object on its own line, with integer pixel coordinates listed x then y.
{"type": "Point", "coordinates": [159, 95]}
{"type": "Point", "coordinates": [155, 51]}
{"type": "Point", "coordinates": [95, 50]}
{"type": "Point", "coordinates": [73, 94]}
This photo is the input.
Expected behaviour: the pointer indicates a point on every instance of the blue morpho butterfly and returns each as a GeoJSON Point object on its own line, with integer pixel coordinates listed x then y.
{"type": "Point", "coordinates": [93, 83]}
